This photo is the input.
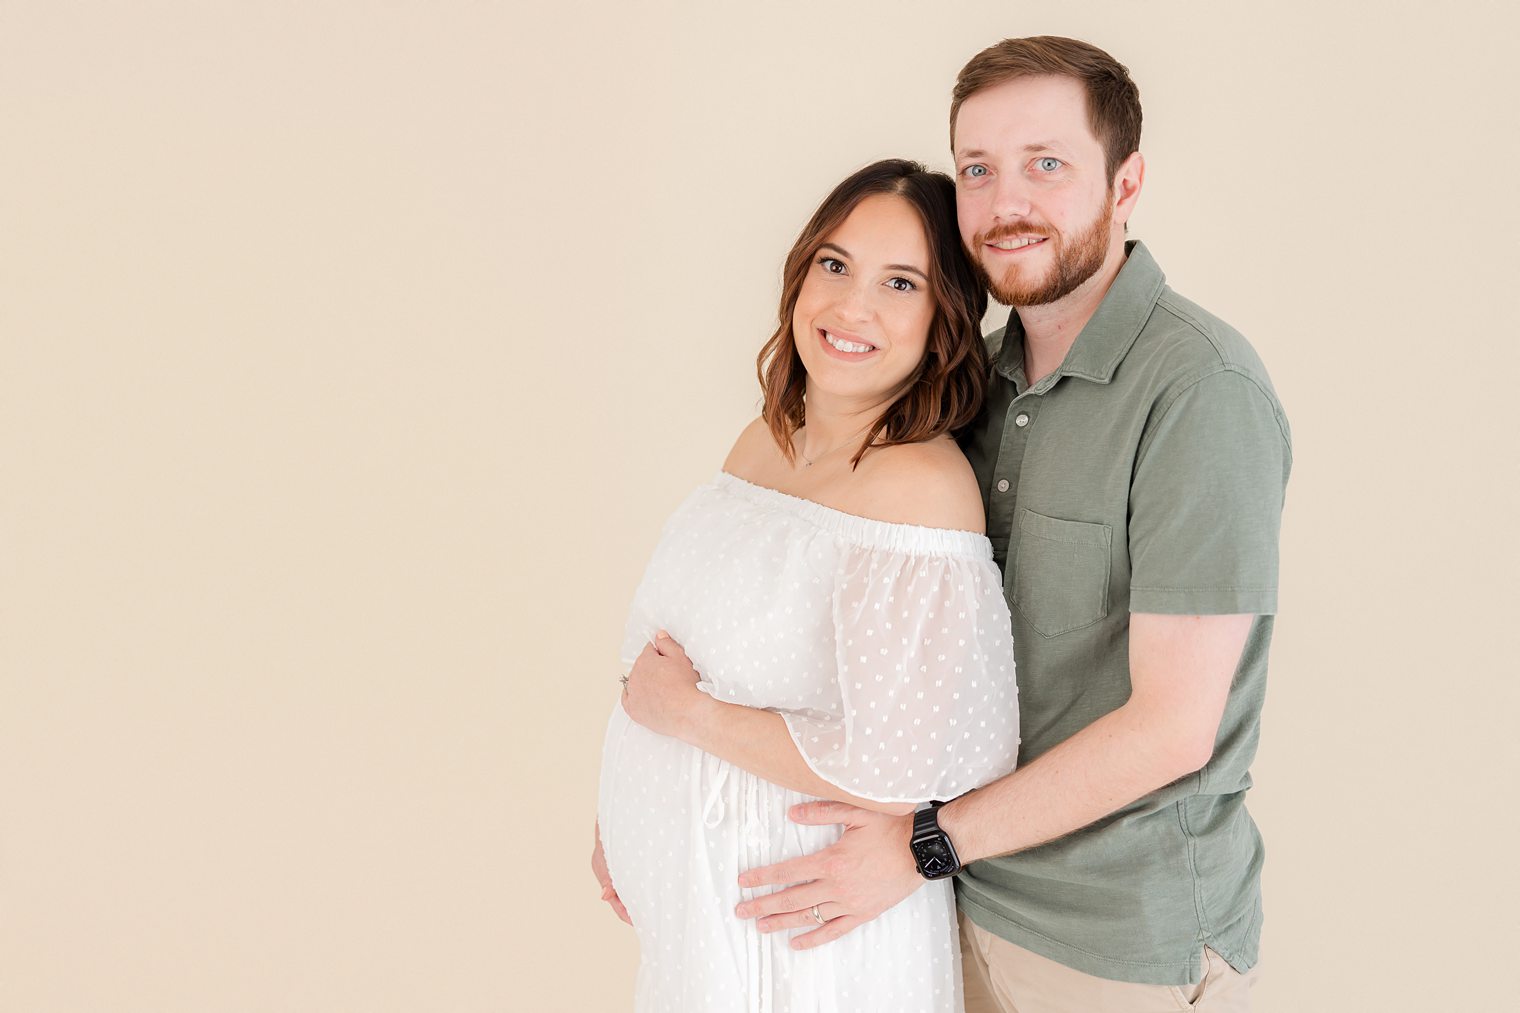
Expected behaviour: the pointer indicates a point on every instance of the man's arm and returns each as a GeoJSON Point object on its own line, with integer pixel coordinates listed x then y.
{"type": "Point", "coordinates": [1181, 668]}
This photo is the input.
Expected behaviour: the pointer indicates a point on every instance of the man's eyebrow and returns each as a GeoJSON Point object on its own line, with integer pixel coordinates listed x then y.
{"type": "Point", "coordinates": [1028, 148]}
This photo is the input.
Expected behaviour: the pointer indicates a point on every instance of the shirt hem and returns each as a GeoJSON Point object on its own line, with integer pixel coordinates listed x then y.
{"type": "Point", "coordinates": [1204, 601]}
{"type": "Point", "coordinates": [1168, 972]}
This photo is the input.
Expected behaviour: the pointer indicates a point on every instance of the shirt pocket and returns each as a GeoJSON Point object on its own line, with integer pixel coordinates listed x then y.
{"type": "Point", "coordinates": [1060, 575]}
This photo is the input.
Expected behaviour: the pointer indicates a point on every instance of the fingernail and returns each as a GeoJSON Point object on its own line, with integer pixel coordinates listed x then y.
{"type": "Point", "coordinates": [742, 911]}
{"type": "Point", "coordinates": [662, 635]}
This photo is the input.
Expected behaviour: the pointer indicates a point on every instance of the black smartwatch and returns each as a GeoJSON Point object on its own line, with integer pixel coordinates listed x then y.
{"type": "Point", "coordinates": [932, 851]}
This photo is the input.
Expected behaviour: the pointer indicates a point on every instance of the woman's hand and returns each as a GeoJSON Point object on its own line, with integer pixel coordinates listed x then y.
{"type": "Point", "coordinates": [661, 693]}
{"type": "Point", "coordinates": [599, 869]}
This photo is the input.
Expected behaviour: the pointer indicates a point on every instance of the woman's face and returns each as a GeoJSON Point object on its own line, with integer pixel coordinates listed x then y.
{"type": "Point", "coordinates": [862, 318]}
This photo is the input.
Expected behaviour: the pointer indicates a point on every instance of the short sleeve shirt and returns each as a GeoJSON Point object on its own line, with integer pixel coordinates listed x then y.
{"type": "Point", "coordinates": [1145, 474]}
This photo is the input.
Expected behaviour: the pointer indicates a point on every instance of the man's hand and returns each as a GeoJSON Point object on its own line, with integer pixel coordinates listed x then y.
{"type": "Point", "coordinates": [865, 872]}
{"type": "Point", "coordinates": [661, 693]}
{"type": "Point", "coordinates": [599, 870]}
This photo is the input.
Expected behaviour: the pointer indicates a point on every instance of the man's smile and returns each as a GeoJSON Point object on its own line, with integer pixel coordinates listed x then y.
{"type": "Point", "coordinates": [1017, 243]}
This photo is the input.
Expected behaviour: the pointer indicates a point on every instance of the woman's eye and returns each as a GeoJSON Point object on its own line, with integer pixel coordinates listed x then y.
{"type": "Point", "coordinates": [902, 285]}
{"type": "Point", "coordinates": [1049, 164]}
{"type": "Point", "coordinates": [831, 265]}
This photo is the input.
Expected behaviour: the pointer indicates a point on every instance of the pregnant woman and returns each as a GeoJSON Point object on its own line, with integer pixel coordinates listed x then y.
{"type": "Point", "coordinates": [824, 620]}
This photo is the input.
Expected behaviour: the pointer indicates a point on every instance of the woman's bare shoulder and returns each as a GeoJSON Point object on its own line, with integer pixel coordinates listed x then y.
{"type": "Point", "coordinates": [929, 484]}
{"type": "Point", "coordinates": [753, 453]}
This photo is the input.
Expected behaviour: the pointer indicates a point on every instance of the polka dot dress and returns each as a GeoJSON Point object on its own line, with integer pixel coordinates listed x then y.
{"type": "Point", "coordinates": [886, 648]}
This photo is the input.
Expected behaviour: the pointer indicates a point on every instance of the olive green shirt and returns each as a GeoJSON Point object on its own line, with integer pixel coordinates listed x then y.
{"type": "Point", "coordinates": [1146, 474]}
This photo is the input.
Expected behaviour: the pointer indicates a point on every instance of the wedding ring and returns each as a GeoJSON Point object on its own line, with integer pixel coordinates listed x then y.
{"type": "Point", "coordinates": [817, 915]}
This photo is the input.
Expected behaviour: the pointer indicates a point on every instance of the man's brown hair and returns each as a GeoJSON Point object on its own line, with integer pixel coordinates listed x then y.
{"type": "Point", "coordinates": [945, 393]}
{"type": "Point", "coordinates": [1113, 101]}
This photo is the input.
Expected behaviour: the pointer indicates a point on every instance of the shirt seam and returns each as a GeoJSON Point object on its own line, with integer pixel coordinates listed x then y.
{"type": "Point", "coordinates": [1203, 330]}
{"type": "Point", "coordinates": [1224, 361]}
{"type": "Point", "coordinates": [1205, 930]}
{"type": "Point", "coordinates": [1223, 367]}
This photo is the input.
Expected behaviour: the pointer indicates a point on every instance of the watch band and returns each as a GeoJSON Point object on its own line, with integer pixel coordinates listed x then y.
{"type": "Point", "coordinates": [933, 853]}
{"type": "Point", "coordinates": [926, 817]}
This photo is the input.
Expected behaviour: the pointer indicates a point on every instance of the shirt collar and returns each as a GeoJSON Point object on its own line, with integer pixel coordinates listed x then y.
{"type": "Point", "coordinates": [1107, 337]}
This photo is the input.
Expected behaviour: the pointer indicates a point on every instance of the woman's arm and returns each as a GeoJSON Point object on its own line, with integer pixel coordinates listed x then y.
{"type": "Point", "coordinates": [662, 695]}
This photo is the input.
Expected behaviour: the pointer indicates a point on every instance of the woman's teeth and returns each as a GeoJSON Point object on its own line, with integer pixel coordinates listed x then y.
{"type": "Point", "coordinates": [846, 346]}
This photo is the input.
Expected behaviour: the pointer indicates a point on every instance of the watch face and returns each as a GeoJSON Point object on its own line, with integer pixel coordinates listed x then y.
{"type": "Point", "coordinates": [934, 857]}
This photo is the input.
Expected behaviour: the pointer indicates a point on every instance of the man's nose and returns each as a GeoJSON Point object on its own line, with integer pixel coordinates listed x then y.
{"type": "Point", "coordinates": [1010, 200]}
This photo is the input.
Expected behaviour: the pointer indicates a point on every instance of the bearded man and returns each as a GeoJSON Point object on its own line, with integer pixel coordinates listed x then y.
{"type": "Point", "coordinates": [1133, 458]}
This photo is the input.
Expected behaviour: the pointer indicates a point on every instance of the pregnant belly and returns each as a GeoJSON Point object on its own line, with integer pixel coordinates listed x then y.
{"type": "Point", "coordinates": [678, 825]}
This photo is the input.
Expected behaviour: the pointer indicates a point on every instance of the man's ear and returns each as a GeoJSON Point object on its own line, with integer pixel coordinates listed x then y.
{"type": "Point", "coordinates": [1128, 180]}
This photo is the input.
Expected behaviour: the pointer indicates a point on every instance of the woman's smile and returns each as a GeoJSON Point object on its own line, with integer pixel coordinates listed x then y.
{"type": "Point", "coordinates": [844, 345]}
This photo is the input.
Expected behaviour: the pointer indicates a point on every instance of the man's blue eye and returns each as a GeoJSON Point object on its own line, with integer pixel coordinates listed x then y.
{"type": "Point", "coordinates": [1049, 164]}
{"type": "Point", "coordinates": [975, 171]}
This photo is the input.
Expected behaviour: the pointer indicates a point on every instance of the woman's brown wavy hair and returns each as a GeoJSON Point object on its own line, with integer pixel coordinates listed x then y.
{"type": "Point", "coordinates": [945, 393]}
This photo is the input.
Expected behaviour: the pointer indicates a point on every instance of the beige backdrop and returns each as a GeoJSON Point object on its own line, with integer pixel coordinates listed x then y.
{"type": "Point", "coordinates": [354, 352]}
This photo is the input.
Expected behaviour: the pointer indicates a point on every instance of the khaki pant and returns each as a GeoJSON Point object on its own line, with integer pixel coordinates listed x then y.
{"type": "Point", "coordinates": [1004, 978]}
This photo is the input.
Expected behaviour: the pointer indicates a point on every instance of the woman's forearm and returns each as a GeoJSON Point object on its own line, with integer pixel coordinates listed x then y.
{"type": "Point", "coordinates": [758, 741]}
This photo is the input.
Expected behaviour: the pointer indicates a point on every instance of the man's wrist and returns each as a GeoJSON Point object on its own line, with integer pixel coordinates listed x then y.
{"type": "Point", "coordinates": [955, 820]}
{"type": "Point", "coordinates": [933, 850]}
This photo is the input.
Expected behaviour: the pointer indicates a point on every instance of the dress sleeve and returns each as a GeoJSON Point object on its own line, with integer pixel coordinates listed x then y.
{"type": "Point", "coordinates": [926, 704]}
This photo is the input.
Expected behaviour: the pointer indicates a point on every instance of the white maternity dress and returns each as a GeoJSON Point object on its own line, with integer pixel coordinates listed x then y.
{"type": "Point", "coordinates": [887, 649]}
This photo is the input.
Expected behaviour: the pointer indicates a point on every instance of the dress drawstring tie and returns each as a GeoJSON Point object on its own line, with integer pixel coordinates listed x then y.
{"type": "Point", "coordinates": [753, 838]}
{"type": "Point", "coordinates": [716, 772]}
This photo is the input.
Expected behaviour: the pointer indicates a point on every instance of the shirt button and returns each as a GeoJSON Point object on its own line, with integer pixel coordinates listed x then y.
{"type": "Point", "coordinates": [1021, 420]}
{"type": "Point", "coordinates": [1002, 485]}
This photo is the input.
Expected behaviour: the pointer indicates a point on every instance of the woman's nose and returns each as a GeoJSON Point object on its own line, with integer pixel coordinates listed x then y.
{"type": "Point", "coordinates": [854, 303]}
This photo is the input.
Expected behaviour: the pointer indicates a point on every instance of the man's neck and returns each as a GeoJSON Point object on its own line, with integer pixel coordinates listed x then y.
{"type": "Point", "coordinates": [1051, 330]}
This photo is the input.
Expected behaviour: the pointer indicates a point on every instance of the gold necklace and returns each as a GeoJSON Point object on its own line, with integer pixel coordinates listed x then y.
{"type": "Point", "coordinates": [811, 460]}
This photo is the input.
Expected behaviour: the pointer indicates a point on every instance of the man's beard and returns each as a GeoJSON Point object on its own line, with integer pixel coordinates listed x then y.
{"type": "Point", "coordinates": [1076, 259]}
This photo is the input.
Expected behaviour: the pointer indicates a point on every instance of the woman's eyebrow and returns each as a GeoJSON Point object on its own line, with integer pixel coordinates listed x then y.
{"type": "Point", "coordinates": [890, 267]}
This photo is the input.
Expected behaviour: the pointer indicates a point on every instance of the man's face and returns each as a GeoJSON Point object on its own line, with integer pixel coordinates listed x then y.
{"type": "Point", "coordinates": [1032, 191]}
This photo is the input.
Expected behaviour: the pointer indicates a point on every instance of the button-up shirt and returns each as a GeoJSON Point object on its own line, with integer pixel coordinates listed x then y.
{"type": "Point", "coordinates": [1145, 474]}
